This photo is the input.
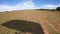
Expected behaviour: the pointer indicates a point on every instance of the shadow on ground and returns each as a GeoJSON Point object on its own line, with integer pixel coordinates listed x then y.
{"type": "Point", "coordinates": [24, 26]}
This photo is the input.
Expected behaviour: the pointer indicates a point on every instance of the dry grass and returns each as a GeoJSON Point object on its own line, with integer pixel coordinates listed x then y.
{"type": "Point", "coordinates": [49, 20]}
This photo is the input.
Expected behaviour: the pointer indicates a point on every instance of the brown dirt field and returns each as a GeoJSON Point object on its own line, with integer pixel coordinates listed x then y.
{"type": "Point", "coordinates": [49, 20]}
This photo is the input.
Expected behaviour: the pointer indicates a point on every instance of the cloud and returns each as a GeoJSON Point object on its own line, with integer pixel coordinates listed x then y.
{"type": "Point", "coordinates": [28, 4]}
{"type": "Point", "coordinates": [49, 6]}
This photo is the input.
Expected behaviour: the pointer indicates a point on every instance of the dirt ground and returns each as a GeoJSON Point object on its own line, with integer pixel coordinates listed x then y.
{"type": "Point", "coordinates": [48, 20]}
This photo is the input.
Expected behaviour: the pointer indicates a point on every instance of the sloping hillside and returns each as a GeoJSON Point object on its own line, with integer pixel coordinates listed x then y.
{"type": "Point", "coordinates": [48, 20]}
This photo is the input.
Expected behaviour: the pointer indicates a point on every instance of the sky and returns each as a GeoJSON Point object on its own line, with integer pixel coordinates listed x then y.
{"type": "Point", "coordinates": [9, 5]}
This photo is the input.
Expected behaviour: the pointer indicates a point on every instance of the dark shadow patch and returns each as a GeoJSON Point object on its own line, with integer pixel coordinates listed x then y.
{"type": "Point", "coordinates": [24, 26]}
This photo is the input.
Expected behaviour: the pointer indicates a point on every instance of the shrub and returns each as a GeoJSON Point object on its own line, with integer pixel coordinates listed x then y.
{"type": "Point", "coordinates": [58, 8]}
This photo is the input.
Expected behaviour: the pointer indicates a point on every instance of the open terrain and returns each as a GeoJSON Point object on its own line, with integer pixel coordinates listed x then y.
{"type": "Point", "coordinates": [10, 22]}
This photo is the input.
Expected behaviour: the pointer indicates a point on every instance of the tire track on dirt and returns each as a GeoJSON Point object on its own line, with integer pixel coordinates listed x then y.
{"type": "Point", "coordinates": [47, 22]}
{"type": "Point", "coordinates": [41, 21]}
